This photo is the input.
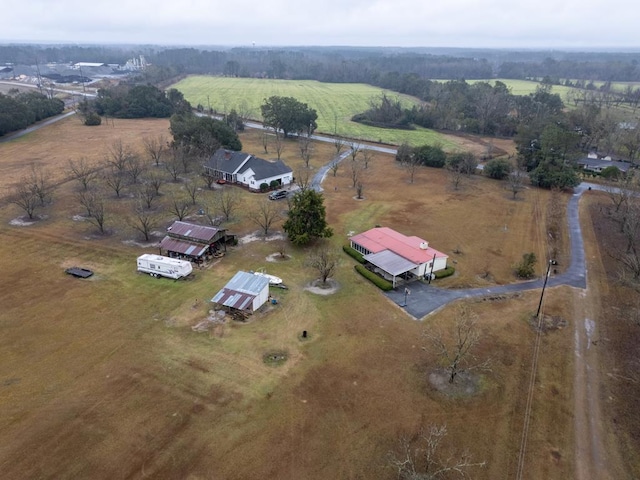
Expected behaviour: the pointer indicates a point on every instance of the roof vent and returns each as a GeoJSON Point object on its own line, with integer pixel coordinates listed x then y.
{"type": "Point", "coordinates": [424, 245]}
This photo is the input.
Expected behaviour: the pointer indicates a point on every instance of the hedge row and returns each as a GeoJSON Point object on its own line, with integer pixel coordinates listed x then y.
{"type": "Point", "coordinates": [353, 252]}
{"type": "Point", "coordinates": [379, 282]}
{"type": "Point", "coordinates": [447, 272]}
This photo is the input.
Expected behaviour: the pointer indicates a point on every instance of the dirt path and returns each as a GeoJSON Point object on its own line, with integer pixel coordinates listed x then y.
{"type": "Point", "coordinates": [596, 451]}
{"type": "Point", "coordinates": [590, 459]}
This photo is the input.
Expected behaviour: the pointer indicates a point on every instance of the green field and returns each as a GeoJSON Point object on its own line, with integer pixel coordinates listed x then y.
{"type": "Point", "coordinates": [335, 103]}
{"type": "Point", "coordinates": [525, 87]}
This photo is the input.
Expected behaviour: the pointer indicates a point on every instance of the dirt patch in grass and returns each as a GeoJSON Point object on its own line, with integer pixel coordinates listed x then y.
{"type": "Point", "coordinates": [319, 287]}
{"type": "Point", "coordinates": [466, 384]}
{"type": "Point", "coordinates": [277, 257]}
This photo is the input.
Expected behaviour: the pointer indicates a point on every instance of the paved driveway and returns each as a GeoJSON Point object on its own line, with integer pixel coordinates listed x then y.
{"type": "Point", "coordinates": [425, 299]}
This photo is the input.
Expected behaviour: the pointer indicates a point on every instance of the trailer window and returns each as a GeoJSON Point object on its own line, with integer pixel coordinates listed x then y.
{"type": "Point", "coordinates": [151, 265]}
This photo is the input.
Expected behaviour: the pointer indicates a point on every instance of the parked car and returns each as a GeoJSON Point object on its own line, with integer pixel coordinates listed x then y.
{"type": "Point", "coordinates": [278, 195]}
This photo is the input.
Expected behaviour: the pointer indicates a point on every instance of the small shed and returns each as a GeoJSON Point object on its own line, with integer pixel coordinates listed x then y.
{"type": "Point", "coordinates": [245, 292]}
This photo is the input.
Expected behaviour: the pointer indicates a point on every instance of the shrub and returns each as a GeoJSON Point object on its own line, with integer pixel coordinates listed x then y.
{"type": "Point", "coordinates": [611, 173]}
{"type": "Point", "coordinates": [92, 119]}
{"type": "Point", "coordinates": [526, 268]}
{"type": "Point", "coordinates": [378, 281]}
{"type": "Point", "coordinates": [264, 187]}
{"type": "Point", "coordinates": [274, 184]}
{"type": "Point", "coordinates": [353, 253]}
{"type": "Point", "coordinates": [498, 168]}
{"type": "Point", "coordinates": [447, 272]}
{"type": "Point", "coordinates": [430, 156]}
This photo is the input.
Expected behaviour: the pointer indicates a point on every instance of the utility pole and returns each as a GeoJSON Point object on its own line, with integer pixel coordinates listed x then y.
{"type": "Point", "coordinates": [39, 77]}
{"type": "Point", "coordinates": [82, 78]}
{"type": "Point", "coordinates": [546, 277]}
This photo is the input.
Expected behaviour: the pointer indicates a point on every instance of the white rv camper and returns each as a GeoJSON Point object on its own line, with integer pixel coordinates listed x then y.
{"type": "Point", "coordinates": [159, 266]}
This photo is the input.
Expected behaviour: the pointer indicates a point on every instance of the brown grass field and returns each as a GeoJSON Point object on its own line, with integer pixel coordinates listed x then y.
{"type": "Point", "coordinates": [104, 378]}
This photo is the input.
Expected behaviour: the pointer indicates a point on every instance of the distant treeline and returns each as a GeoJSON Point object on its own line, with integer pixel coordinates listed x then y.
{"type": "Point", "coordinates": [19, 110]}
{"type": "Point", "coordinates": [374, 66]}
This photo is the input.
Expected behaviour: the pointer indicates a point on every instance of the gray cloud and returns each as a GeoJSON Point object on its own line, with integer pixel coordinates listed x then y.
{"type": "Point", "coordinates": [456, 23]}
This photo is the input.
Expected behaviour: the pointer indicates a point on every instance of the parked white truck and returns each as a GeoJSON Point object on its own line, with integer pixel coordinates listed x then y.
{"type": "Point", "coordinates": [159, 266]}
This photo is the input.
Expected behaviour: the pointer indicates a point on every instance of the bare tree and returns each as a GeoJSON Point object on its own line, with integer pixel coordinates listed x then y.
{"type": "Point", "coordinates": [324, 261]}
{"type": "Point", "coordinates": [339, 144]}
{"type": "Point", "coordinates": [303, 178]}
{"type": "Point", "coordinates": [180, 207]}
{"type": "Point", "coordinates": [424, 458]}
{"type": "Point", "coordinates": [173, 165]}
{"type": "Point", "coordinates": [118, 155]}
{"type": "Point", "coordinates": [134, 167]}
{"type": "Point", "coordinates": [114, 180]}
{"type": "Point", "coordinates": [147, 194]}
{"type": "Point", "coordinates": [93, 203]}
{"type": "Point", "coordinates": [458, 355]}
{"type": "Point", "coordinates": [411, 164]}
{"type": "Point", "coordinates": [208, 179]}
{"type": "Point", "coordinates": [265, 141]}
{"type": "Point", "coordinates": [306, 149]}
{"type": "Point", "coordinates": [193, 190]}
{"type": "Point", "coordinates": [335, 166]}
{"type": "Point", "coordinates": [282, 247]}
{"type": "Point", "coordinates": [356, 172]}
{"type": "Point", "coordinates": [186, 158]}
{"type": "Point", "coordinates": [81, 171]}
{"type": "Point", "coordinates": [26, 198]}
{"type": "Point", "coordinates": [266, 213]}
{"type": "Point", "coordinates": [156, 180]}
{"type": "Point", "coordinates": [144, 221]}
{"type": "Point", "coordinates": [630, 224]}
{"type": "Point", "coordinates": [620, 194]}
{"type": "Point", "coordinates": [227, 201]}
{"type": "Point", "coordinates": [245, 112]}
{"type": "Point", "coordinates": [455, 176]}
{"type": "Point", "coordinates": [516, 181]}
{"type": "Point", "coordinates": [278, 143]}
{"type": "Point", "coordinates": [359, 190]}
{"type": "Point", "coordinates": [212, 215]}
{"type": "Point", "coordinates": [39, 180]}
{"type": "Point", "coordinates": [354, 150]}
{"type": "Point", "coordinates": [155, 147]}
{"type": "Point", "coordinates": [368, 155]}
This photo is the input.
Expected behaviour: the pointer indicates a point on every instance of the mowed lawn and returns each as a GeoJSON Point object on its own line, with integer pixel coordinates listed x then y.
{"type": "Point", "coordinates": [109, 368]}
{"type": "Point", "coordinates": [335, 103]}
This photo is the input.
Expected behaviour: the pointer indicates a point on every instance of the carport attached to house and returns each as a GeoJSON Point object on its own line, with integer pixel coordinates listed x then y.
{"type": "Point", "coordinates": [391, 264]}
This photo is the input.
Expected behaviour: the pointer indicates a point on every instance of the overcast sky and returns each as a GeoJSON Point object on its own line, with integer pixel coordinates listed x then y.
{"type": "Point", "coordinates": [443, 23]}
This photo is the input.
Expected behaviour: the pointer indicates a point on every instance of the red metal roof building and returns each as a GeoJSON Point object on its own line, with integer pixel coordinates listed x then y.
{"type": "Point", "coordinates": [192, 241]}
{"type": "Point", "coordinates": [394, 254]}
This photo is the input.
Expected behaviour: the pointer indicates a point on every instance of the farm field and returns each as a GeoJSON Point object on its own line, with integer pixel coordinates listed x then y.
{"type": "Point", "coordinates": [335, 103]}
{"type": "Point", "coordinates": [109, 368]}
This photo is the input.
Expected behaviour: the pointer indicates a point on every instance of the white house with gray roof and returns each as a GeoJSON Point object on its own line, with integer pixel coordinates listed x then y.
{"type": "Point", "coordinates": [247, 169]}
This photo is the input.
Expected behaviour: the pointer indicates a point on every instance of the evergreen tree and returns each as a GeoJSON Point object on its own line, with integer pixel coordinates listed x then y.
{"type": "Point", "coordinates": [306, 219]}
